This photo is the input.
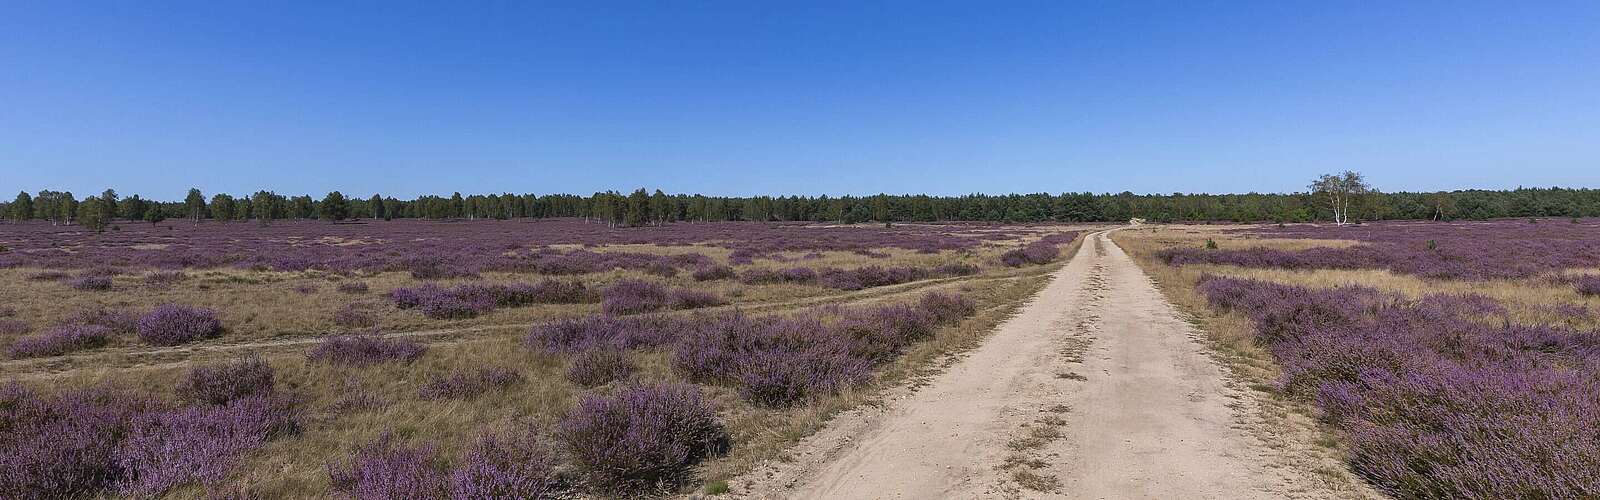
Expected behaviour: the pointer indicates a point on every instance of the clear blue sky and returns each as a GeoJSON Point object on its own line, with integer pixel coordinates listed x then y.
{"type": "Point", "coordinates": [753, 97]}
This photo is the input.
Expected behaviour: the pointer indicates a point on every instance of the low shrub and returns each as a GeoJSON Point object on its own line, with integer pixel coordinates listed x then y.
{"type": "Point", "coordinates": [501, 468]}
{"type": "Point", "coordinates": [599, 366]}
{"type": "Point", "coordinates": [642, 437]}
{"type": "Point", "coordinates": [364, 350]}
{"type": "Point", "coordinates": [63, 446]}
{"type": "Point", "coordinates": [635, 296]}
{"type": "Point", "coordinates": [353, 316]}
{"type": "Point", "coordinates": [1587, 285]}
{"type": "Point", "coordinates": [1037, 253]}
{"type": "Point", "coordinates": [12, 327]}
{"type": "Point", "coordinates": [60, 340]}
{"type": "Point", "coordinates": [94, 283]}
{"type": "Point", "coordinates": [167, 449]}
{"type": "Point", "coordinates": [173, 324]}
{"type": "Point", "coordinates": [468, 384]}
{"type": "Point", "coordinates": [713, 273]}
{"type": "Point", "coordinates": [353, 287]}
{"type": "Point", "coordinates": [383, 470]}
{"type": "Point", "coordinates": [164, 277]}
{"type": "Point", "coordinates": [466, 301]}
{"type": "Point", "coordinates": [221, 383]}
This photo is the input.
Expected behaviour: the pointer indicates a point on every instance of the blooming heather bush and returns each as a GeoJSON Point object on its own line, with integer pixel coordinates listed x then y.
{"type": "Point", "coordinates": [498, 467]}
{"type": "Point", "coordinates": [713, 273]}
{"type": "Point", "coordinates": [353, 287]}
{"type": "Point", "coordinates": [947, 308]}
{"type": "Point", "coordinates": [120, 321]}
{"type": "Point", "coordinates": [468, 384]}
{"type": "Point", "coordinates": [173, 324]}
{"type": "Point", "coordinates": [221, 383]}
{"type": "Point", "coordinates": [96, 283]}
{"type": "Point", "coordinates": [633, 297]}
{"type": "Point", "coordinates": [166, 449]}
{"type": "Point", "coordinates": [364, 350]}
{"type": "Point", "coordinates": [1038, 252]}
{"type": "Point", "coordinates": [573, 335]}
{"type": "Point", "coordinates": [599, 366]}
{"type": "Point", "coordinates": [12, 327]}
{"type": "Point", "coordinates": [353, 316]}
{"type": "Point", "coordinates": [383, 470]}
{"type": "Point", "coordinates": [60, 340]}
{"type": "Point", "coordinates": [683, 298]}
{"type": "Point", "coordinates": [470, 300]}
{"type": "Point", "coordinates": [1435, 403]}
{"type": "Point", "coordinates": [642, 437]}
{"type": "Point", "coordinates": [781, 377]}
{"type": "Point", "coordinates": [1588, 285]}
{"type": "Point", "coordinates": [796, 275]}
{"type": "Point", "coordinates": [434, 268]}
{"type": "Point", "coordinates": [62, 446]}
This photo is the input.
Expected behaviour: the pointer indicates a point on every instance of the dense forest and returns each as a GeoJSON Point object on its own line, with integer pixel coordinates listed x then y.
{"type": "Point", "coordinates": [644, 208]}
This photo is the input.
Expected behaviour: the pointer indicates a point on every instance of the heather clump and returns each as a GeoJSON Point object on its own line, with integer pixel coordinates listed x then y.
{"type": "Point", "coordinates": [221, 383]}
{"type": "Point", "coordinates": [714, 273]}
{"type": "Point", "coordinates": [384, 470]}
{"type": "Point", "coordinates": [501, 467]}
{"type": "Point", "coordinates": [90, 283]}
{"type": "Point", "coordinates": [60, 340]}
{"type": "Point", "coordinates": [599, 366]}
{"type": "Point", "coordinates": [365, 350]}
{"type": "Point", "coordinates": [1432, 399]}
{"type": "Point", "coordinates": [573, 335]}
{"type": "Point", "coordinates": [65, 445]}
{"type": "Point", "coordinates": [469, 383]}
{"type": "Point", "coordinates": [173, 324]}
{"type": "Point", "coordinates": [10, 327]}
{"type": "Point", "coordinates": [353, 287]}
{"type": "Point", "coordinates": [1037, 253]}
{"type": "Point", "coordinates": [354, 316]}
{"type": "Point", "coordinates": [1588, 285]}
{"type": "Point", "coordinates": [166, 449]}
{"type": "Point", "coordinates": [470, 300]}
{"type": "Point", "coordinates": [636, 296]}
{"type": "Point", "coordinates": [642, 437]}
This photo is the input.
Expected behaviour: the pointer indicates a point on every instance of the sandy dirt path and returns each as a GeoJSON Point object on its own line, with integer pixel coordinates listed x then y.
{"type": "Point", "coordinates": [1095, 389]}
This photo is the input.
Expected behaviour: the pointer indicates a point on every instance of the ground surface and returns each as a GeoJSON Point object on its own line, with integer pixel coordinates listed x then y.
{"type": "Point", "coordinates": [1097, 388]}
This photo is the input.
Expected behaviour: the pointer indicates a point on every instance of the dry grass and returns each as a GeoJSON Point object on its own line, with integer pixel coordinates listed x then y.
{"type": "Point", "coordinates": [267, 317]}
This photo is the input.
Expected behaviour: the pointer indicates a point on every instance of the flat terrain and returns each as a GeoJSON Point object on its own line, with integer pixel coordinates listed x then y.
{"type": "Point", "coordinates": [1096, 388]}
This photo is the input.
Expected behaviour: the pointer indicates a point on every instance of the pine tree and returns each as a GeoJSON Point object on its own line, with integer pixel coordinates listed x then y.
{"type": "Point", "coordinates": [376, 205]}
{"type": "Point", "coordinates": [90, 213]}
{"type": "Point", "coordinates": [107, 205]}
{"type": "Point", "coordinates": [22, 208]}
{"type": "Point", "coordinates": [334, 207]}
{"type": "Point", "coordinates": [222, 207]}
{"type": "Point", "coordinates": [155, 214]}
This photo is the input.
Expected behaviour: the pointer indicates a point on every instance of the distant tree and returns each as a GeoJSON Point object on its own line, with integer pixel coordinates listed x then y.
{"type": "Point", "coordinates": [1340, 191]}
{"type": "Point", "coordinates": [303, 207]}
{"type": "Point", "coordinates": [457, 207]}
{"type": "Point", "coordinates": [155, 214]}
{"type": "Point", "coordinates": [222, 207]}
{"type": "Point", "coordinates": [376, 205]}
{"type": "Point", "coordinates": [195, 205]}
{"type": "Point", "coordinates": [335, 207]}
{"type": "Point", "coordinates": [22, 208]}
{"type": "Point", "coordinates": [1444, 205]}
{"type": "Point", "coordinates": [264, 206]}
{"type": "Point", "coordinates": [66, 207]}
{"type": "Point", "coordinates": [134, 208]}
{"type": "Point", "coordinates": [638, 208]}
{"type": "Point", "coordinates": [660, 207]}
{"type": "Point", "coordinates": [108, 205]}
{"type": "Point", "coordinates": [90, 214]}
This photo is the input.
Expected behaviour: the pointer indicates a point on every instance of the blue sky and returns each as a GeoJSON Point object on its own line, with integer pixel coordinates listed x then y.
{"type": "Point", "coordinates": [744, 98]}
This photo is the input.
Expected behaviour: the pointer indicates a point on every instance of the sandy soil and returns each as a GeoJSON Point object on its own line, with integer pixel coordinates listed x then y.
{"type": "Point", "coordinates": [1095, 389]}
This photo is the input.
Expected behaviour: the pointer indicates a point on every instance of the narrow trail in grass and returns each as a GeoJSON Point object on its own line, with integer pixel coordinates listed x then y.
{"type": "Point", "coordinates": [1095, 389]}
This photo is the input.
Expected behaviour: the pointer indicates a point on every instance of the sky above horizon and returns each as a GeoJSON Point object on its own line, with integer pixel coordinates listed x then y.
{"type": "Point", "coordinates": [741, 98]}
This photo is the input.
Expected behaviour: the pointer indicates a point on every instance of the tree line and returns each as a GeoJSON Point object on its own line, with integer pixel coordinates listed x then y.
{"type": "Point", "coordinates": [641, 207]}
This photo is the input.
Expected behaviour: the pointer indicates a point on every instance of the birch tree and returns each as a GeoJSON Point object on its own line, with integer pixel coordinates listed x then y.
{"type": "Point", "coordinates": [1340, 191]}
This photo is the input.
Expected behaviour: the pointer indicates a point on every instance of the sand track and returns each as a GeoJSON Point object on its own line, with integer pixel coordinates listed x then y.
{"type": "Point", "coordinates": [1096, 386]}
